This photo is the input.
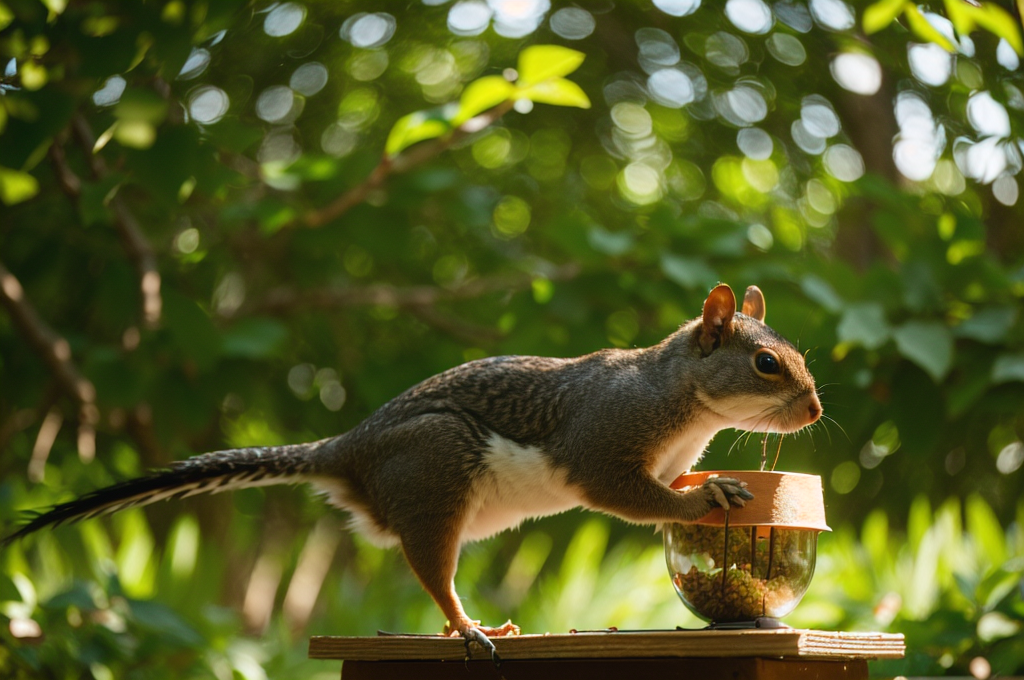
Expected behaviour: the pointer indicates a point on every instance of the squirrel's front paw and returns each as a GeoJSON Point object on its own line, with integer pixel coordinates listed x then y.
{"type": "Point", "coordinates": [726, 491]}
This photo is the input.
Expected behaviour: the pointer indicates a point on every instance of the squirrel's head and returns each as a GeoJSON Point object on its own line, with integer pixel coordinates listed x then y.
{"type": "Point", "coordinates": [748, 373]}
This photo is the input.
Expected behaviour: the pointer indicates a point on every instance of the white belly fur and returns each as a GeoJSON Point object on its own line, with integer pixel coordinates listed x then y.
{"type": "Point", "coordinates": [681, 453]}
{"type": "Point", "coordinates": [520, 483]}
{"type": "Point", "coordinates": [360, 521]}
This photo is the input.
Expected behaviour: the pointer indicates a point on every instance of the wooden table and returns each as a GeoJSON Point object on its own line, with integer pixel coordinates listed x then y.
{"type": "Point", "coordinates": [785, 654]}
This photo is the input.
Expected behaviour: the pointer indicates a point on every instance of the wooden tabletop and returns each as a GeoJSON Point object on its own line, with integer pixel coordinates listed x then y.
{"type": "Point", "coordinates": [785, 643]}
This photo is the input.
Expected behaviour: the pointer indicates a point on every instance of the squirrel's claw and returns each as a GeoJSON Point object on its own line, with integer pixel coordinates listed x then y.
{"type": "Point", "coordinates": [481, 635]}
{"type": "Point", "coordinates": [726, 492]}
{"type": "Point", "coordinates": [474, 634]}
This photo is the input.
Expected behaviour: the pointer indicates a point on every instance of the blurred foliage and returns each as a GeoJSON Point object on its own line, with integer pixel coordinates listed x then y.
{"type": "Point", "coordinates": [219, 246]}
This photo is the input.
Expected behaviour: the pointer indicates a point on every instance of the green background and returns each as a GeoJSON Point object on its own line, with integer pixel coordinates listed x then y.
{"type": "Point", "coordinates": [558, 229]}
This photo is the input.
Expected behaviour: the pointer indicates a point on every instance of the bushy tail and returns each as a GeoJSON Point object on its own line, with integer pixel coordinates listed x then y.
{"type": "Point", "coordinates": [208, 473]}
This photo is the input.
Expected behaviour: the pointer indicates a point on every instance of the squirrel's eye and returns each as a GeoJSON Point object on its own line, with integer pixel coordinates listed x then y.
{"type": "Point", "coordinates": [766, 362]}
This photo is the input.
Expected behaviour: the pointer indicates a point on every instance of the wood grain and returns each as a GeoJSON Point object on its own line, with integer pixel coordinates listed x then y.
{"type": "Point", "coordinates": [789, 643]}
{"type": "Point", "coordinates": [610, 669]}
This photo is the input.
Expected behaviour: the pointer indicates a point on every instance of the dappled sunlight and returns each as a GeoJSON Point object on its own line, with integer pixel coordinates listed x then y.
{"type": "Point", "coordinates": [857, 72]}
{"type": "Point", "coordinates": [208, 104]}
{"type": "Point", "coordinates": [234, 224]}
{"type": "Point", "coordinates": [284, 18]}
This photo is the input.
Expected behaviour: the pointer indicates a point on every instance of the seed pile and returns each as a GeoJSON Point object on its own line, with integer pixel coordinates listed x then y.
{"type": "Point", "coordinates": [748, 586]}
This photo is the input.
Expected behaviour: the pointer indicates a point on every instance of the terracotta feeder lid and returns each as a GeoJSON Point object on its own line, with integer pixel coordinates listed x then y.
{"type": "Point", "coordinates": [781, 499]}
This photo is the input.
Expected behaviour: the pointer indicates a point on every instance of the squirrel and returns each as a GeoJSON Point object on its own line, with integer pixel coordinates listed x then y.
{"type": "Point", "coordinates": [481, 447]}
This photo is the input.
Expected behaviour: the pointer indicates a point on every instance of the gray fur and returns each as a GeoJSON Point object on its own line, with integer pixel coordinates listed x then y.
{"type": "Point", "coordinates": [609, 428]}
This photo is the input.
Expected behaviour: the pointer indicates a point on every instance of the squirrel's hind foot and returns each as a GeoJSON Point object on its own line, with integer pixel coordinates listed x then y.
{"type": "Point", "coordinates": [481, 635]}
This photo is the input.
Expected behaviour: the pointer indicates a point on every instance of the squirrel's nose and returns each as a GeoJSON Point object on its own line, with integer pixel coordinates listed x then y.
{"type": "Point", "coordinates": [813, 409]}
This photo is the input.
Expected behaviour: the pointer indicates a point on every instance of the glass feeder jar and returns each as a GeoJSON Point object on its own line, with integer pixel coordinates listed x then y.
{"type": "Point", "coordinates": [750, 565]}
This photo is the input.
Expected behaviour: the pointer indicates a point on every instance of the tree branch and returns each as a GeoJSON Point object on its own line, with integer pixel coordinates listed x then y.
{"type": "Point", "coordinates": [56, 354]}
{"type": "Point", "coordinates": [414, 157]}
{"type": "Point", "coordinates": [456, 327]}
{"type": "Point", "coordinates": [284, 300]}
{"type": "Point", "coordinates": [69, 181]}
{"type": "Point", "coordinates": [420, 301]}
{"type": "Point", "coordinates": [139, 251]}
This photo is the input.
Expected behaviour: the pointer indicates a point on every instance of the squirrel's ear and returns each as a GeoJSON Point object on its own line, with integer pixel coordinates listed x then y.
{"type": "Point", "coordinates": [717, 318]}
{"type": "Point", "coordinates": [753, 303]}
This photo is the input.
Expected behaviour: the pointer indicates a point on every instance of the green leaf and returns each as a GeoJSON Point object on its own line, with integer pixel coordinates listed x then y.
{"type": "Point", "coordinates": [875, 537]}
{"type": "Point", "coordinates": [822, 292]}
{"type": "Point", "coordinates": [1007, 368]}
{"type": "Point", "coordinates": [6, 16]}
{"type": "Point", "coordinates": [966, 18]}
{"type": "Point", "coordinates": [8, 591]}
{"type": "Point", "coordinates": [163, 620]}
{"type": "Point", "coordinates": [919, 519]}
{"type": "Point", "coordinates": [610, 242]}
{"type": "Point", "coordinates": [985, 530]}
{"type": "Point", "coordinates": [254, 338]}
{"type": "Point", "coordinates": [864, 324]}
{"type": "Point", "coordinates": [141, 105]}
{"type": "Point", "coordinates": [880, 14]}
{"type": "Point", "coordinates": [56, 6]}
{"type": "Point", "coordinates": [191, 328]}
{"type": "Point", "coordinates": [1001, 23]}
{"type": "Point", "coordinates": [415, 127]}
{"type": "Point", "coordinates": [996, 585]}
{"type": "Point", "coordinates": [962, 16]}
{"type": "Point", "coordinates": [136, 566]}
{"type": "Point", "coordinates": [538, 63]}
{"type": "Point", "coordinates": [989, 325]}
{"type": "Point", "coordinates": [886, 438]}
{"type": "Point", "coordinates": [77, 595]}
{"type": "Point", "coordinates": [116, 386]}
{"type": "Point", "coordinates": [481, 95]}
{"type": "Point", "coordinates": [559, 91]}
{"type": "Point", "coordinates": [543, 290]}
{"type": "Point", "coordinates": [92, 205]}
{"type": "Point", "coordinates": [688, 272]}
{"type": "Point", "coordinates": [924, 30]}
{"type": "Point", "coordinates": [17, 186]}
{"type": "Point", "coordinates": [928, 344]}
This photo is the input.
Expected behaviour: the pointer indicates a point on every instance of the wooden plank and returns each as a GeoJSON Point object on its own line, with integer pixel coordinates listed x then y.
{"type": "Point", "coordinates": [610, 669]}
{"type": "Point", "coordinates": [784, 643]}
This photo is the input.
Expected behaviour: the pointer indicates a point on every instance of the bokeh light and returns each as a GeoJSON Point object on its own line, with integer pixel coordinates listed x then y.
{"type": "Point", "coordinates": [755, 143]}
{"type": "Point", "coordinates": [657, 49]}
{"type": "Point", "coordinates": [920, 141]}
{"type": "Point", "coordinates": [518, 18]}
{"type": "Point", "coordinates": [787, 49]}
{"type": "Point", "coordinates": [857, 72]}
{"type": "Point", "coordinates": [309, 78]}
{"type": "Point", "coordinates": [469, 17]}
{"type": "Point", "coordinates": [844, 162]}
{"type": "Point", "coordinates": [208, 104]}
{"type": "Point", "coordinates": [368, 30]}
{"type": "Point", "coordinates": [750, 16]}
{"type": "Point", "coordinates": [671, 87]}
{"type": "Point", "coordinates": [110, 93]}
{"type": "Point", "coordinates": [284, 19]}
{"type": "Point", "coordinates": [196, 63]}
{"type": "Point", "coordinates": [930, 63]}
{"type": "Point", "coordinates": [743, 105]}
{"type": "Point", "coordinates": [277, 104]}
{"type": "Point", "coordinates": [835, 15]}
{"type": "Point", "coordinates": [573, 23]}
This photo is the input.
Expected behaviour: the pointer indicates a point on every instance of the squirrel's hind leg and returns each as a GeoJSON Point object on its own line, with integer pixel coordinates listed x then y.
{"type": "Point", "coordinates": [434, 561]}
